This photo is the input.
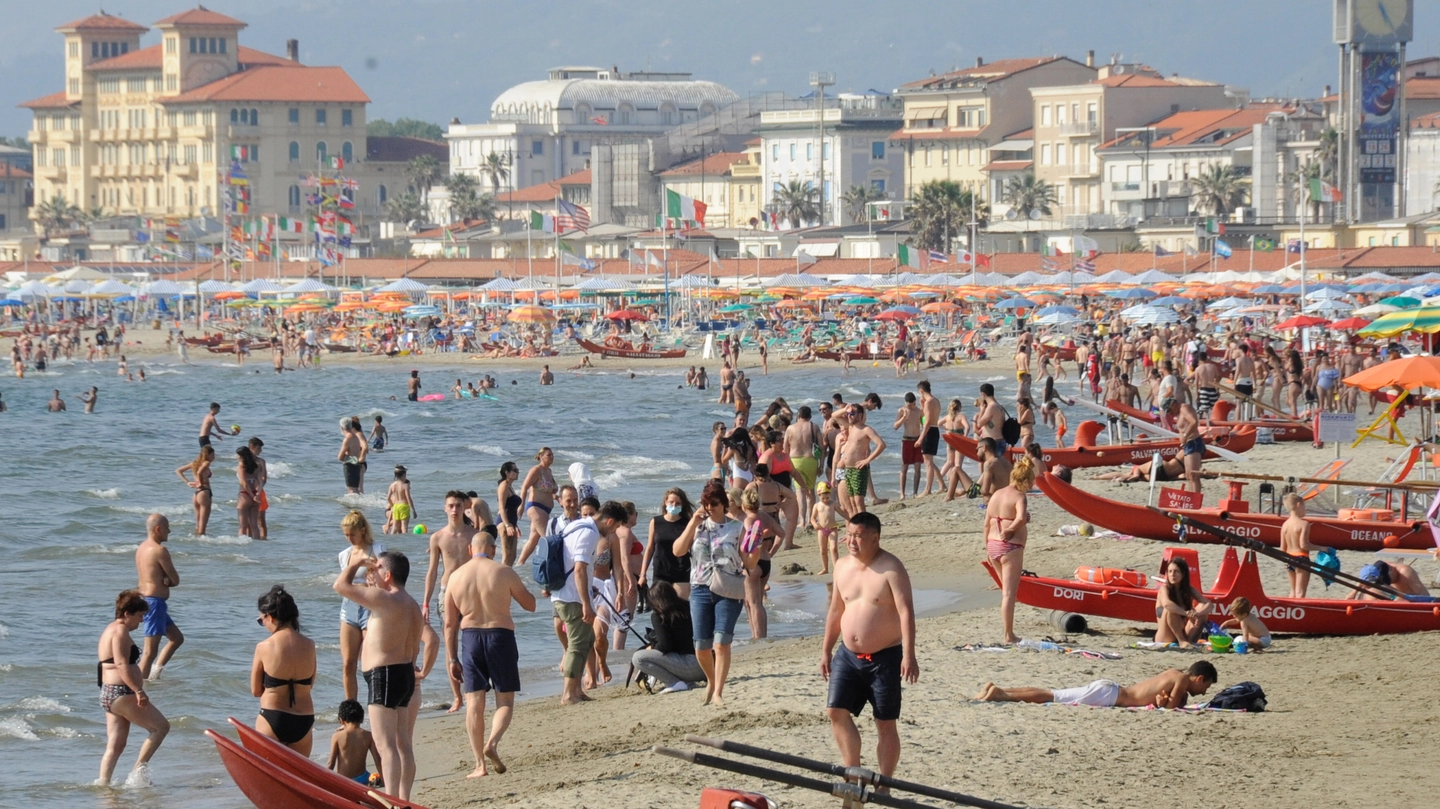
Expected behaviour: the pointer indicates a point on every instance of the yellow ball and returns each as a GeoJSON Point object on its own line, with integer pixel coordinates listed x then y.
{"type": "Point", "coordinates": [421, 529]}
{"type": "Point", "coordinates": [875, 364]}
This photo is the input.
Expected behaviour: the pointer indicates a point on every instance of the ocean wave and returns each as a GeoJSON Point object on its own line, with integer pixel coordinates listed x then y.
{"type": "Point", "coordinates": [14, 727]}
{"type": "Point", "coordinates": [152, 371]}
{"type": "Point", "coordinates": [372, 413]}
{"type": "Point", "coordinates": [487, 449]}
{"type": "Point", "coordinates": [35, 706]}
{"type": "Point", "coordinates": [104, 494]}
{"type": "Point", "coordinates": [63, 732]}
{"type": "Point", "coordinates": [280, 469]}
{"type": "Point", "coordinates": [545, 421]}
{"type": "Point", "coordinates": [206, 539]}
{"type": "Point", "coordinates": [995, 378]}
{"type": "Point", "coordinates": [788, 615]}
{"type": "Point", "coordinates": [658, 416]}
{"type": "Point", "coordinates": [575, 455]}
{"type": "Point", "coordinates": [283, 498]}
{"type": "Point", "coordinates": [368, 500]}
{"type": "Point", "coordinates": [5, 631]}
{"type": "Point", "coordinates": [168, 511]}
{"type": "Point", "coordinates": [609, 480]}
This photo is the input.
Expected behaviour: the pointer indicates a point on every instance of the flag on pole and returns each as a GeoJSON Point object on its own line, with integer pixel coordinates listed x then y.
{"type": "Point", "coordinates": [1265, 245]}
{"type": "Point", "coordinates": [1222, 249]}
{"type": "Point", "coordinates": [1191, 251]}
{"type": "Point", "coordinates": [908, 256]}
{"type": "Point", "coordinates": [237, 175]}
{"type": "Point", "coordinates": [542, 221]}
{"type": "Point", "coordinates": [238, 152]}
{"type": "Point", "coordinates": [348, 184]}
{"type": "Point", "coordinates": [1049, 249]}
{"type": "Point", "coordinates": [1214, 226]}
{"type": "Point", "coordinates": [982, 260]}
{"type": "Point", "coordinates": [572, 260]}
{"type": "Point", "coordinates": [1047, 265]}
{"type": "Point", "coordinates": [345, 227]}
{"type": "Point", "coordinates": [803, 258]}
{"type": "Point", "coordinates": [879, 210]}
{"type": "Point", "coordinates": [288, 225]}
{"type": "Point", "coordinates": [654, 261]}
{"type": "Point", "coordinates": [1161, 252]}
{"type": "Point", "coordinates": [679, 206]}
{"type": "Point", "coordinates": [1292, 246]}
{"type": "Point", "coordinates": [714, 259]}
{"type": "Point", "coordinates": [938, 257]}
{"type": "Point", "coordinates": [964, 257]}
{"type": "Point", "coordinates": [335, 163]}
{"type": "Point", "coordinates": [309, 181]}
{"type": "Point", "coordinates": [1086, 247]}
{"type": "Point", "coordinates": [1084, 265]}
{"type": "Point", "coordinates": [1321, 191]}
{"type": "Point", "coordinates": [569, 216]}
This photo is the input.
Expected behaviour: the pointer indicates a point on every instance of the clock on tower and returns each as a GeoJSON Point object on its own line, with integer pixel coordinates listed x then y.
{"type": "Point", "coordinates": [1374, 24]}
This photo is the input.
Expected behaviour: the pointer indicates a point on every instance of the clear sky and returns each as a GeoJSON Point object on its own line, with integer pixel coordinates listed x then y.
{"type": "Point", "coordinates": [443, 59]}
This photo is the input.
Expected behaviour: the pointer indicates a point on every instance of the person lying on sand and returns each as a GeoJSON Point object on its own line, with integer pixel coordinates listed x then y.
{"type": "Point", "coordinates": [1168, 689]}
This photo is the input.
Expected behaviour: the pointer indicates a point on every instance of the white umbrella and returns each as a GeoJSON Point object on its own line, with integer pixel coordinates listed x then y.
{"type": "Point", "coordinates": [261, 285]}
{"type": "Point", "coordinates": [213, 287]}
{"type": "Point", "coordinates": [111, 287]}
{"type": "Point", "coordinates": [1057, 319]}
{"type": "Point", "coordinates": [76, 287]}
{"type": "Point", "coordinates": [1325, 294]}
{"type": "Point", "coordinates": [691, 281]}
{"type": "Point", "coordinates": [1330, 307]}
{"type": "Point", "coordinates": [36, 289]}
{"type": "Point", "coordinates": [1375, 310]}
{"type": "Point", "coordinates": [1229, 303]}
{"type": "Point", "coordinates": [601, 285]}
{"type": "Point", "coordinates": [164, 288]}
{"type": "Point", "coordinates": [499, 285]}
{"type": "Point", "coordinates": [792, 280]}
{"type": "Point", "coordinates": [1157, 315]}
{"type": "Point", "coordinates": [406, 285]}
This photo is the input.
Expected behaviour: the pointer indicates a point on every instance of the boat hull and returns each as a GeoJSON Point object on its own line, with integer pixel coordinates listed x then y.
{"type": "Point", "coordinates": [1311, 616]}
{"type": "Point", "coordinates": [1112, 454]}
{"type": "Point", "coordinates": [1140, 521]}
{"type": "Point", "coordinates": [1281, 430]}
{"type": "Point", "coordinates": [270, 788]}
{"type": "Point", "coordinates": [280, 757]}
{"type": "Point", "coordinates": [630, 353]}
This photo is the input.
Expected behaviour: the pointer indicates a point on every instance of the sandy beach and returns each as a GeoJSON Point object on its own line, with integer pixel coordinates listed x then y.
{"type": "Point", "coordinates": [1337, 704]}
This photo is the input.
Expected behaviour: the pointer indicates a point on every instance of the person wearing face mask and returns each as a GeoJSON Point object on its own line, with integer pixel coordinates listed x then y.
{"type": "Point", "coordinates": [664, 530]}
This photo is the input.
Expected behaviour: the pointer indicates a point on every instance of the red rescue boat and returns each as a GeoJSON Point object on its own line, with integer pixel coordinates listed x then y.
{"type": "Point", "coordinates": [1085, 453]}
{"type": "Point", "coordinates": [270, 787]}
{"type": "Point", "coordinates": [1233, 515]}
{"type": "Point", "coordinates": [1311, 616]}
{"type": "Point", "coordinates": [628, 352]}
{"type": "Point", "coordinates": [280, 757]}
{"type": "Point", "coordinates": [1281, 429]}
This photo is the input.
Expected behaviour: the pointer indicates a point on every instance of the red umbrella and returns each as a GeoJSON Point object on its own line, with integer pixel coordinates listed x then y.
{"type": "Point", "coordinates": [893, 315]}
{"type": "Point", "coordinates": [626, 314]}
{"type": "Point", "coordinates": [1301, 322]}
{"type": "Point", "coordinates": [1350, 324]}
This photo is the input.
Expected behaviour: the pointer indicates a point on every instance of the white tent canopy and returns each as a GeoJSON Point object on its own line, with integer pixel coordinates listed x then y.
{"type": "Point", "coordinates": [36, 289]}
{"type": "Point", "coordinates": [1152, 277]}
{"type": "Point", "coordinates": [605, 284]}
{"type": "Point", "coordinates": [791, 280]}
{"type": "Point", "coordinates": [261, 285]}
{"type": "Point", "coordinates": [164, 287]}
{"type": "Point", "coordinates": [1116, 277]}
{"type": "Point", "coordinates": [78, 273]}
{"type": "Point", "coordinates": [406, 285]}
{"type": "Point", "coordinates": [111, 287]}
{"type": "Point", "coordinates": [312, 285]}
{"type": "Point", "coordinates": [1029, 277]}
{"type": "Point", "coordinates": [499, 285]}
{"type": "Point", "coordinates": [213, 287]}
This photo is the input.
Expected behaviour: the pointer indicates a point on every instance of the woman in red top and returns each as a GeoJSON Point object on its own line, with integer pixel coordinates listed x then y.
{"type": "Point", "coordinates": [771, 444]}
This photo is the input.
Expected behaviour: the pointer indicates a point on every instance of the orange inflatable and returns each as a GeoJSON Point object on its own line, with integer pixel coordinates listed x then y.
{"type": "Point", "coordinates": [1112, 575]}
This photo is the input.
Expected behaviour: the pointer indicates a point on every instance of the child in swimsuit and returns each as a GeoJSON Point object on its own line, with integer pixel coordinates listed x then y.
{"type": "Point", "coordinates": [351, 744]}
{"type": "Point", "coordinates": [822, 519]}
{"type": "Point", "coordinates": [1252, 631]}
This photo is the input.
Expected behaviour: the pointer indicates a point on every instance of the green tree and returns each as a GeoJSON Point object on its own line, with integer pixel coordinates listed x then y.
{"type": "Point", "coordinates": [1026, 193]}
{"type": "Point", "coordinates": [404, 128]}
{"type": "Point", "coordinates": [1328, 153]}
{"type": "Point", "coordinates": [496, 169]}
{"type": "Point", "coordinates": [466, 201]}
{"type": "Point", "coordinates": [424, 172]}
{"type": "Point", "coordinates": [57, 215]}
{"type": "Point", "coordinates": [798, 202]}
{"type": "Point", "coordinates": [406, 207]}
{"type": "Point", "coordinates": [19, 142]}
{"type": "Point", "coordinates": [1217, 190]}
{"type": "Point", "coordinates": [857, 198]}
{"type": "Point", "coordinates": [941, 211]}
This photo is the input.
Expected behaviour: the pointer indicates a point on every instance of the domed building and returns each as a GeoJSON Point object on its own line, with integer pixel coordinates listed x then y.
{"type": "Point", "coordinates": [545, 130]}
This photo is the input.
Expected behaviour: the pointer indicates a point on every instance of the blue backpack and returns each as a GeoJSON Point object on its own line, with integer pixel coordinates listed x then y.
{"type": "Point", "coordinates": [549, 562]}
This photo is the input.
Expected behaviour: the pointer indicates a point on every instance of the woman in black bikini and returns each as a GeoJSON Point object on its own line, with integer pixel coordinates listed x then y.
{"type": "Point", "coordinates": [509, 511]}
{"type": "Point", "coordinates": [247, 505]}
{"type": "Point", "coordinates": [122, 689]}
{"type": "Point", "coordinates": [283, 673]}
{"type": "Point", "coordinates": [540, 488]}
{"type": "Point", "coordinates": [199, 469]}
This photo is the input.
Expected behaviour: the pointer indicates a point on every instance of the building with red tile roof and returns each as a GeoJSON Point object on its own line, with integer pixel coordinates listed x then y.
{"type": "Point", "coordinates": [146, 131]}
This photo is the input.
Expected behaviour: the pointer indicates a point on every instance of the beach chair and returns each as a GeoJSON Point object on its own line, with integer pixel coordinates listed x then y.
{"type": "Point", "coordinates": [1330, 471]}
{"type": "Point", "coordinates": [1386, 419]}
{"type": "Point", "coordinates": [1397, 472]}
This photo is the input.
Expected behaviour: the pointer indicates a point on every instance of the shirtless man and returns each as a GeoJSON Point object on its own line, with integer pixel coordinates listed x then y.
{"type": "Point", "coordinates": [157, 575]}
{"type": "Point", "coordinates": [450, 545]}
{"type": "Point", "coordinates": [1350, 363]}
{"type": "Point", "coordinates": [800, 440]}
{"type": "Point", "coordinates": [1245, 379]}
{"type": "Point", "coordinates": [353, 449]}
{"type": "Point", "coordinates": [727, 382]}
{"type": "Point", "coordinates": [1168, 689]}
{"type": "Point", "coordinates": [1192, 446]}
{"type": "Point", "coordinates": [990, 418]}
{"type": "Point", "coordinates": [1401, 578]}
{"type": "Point", "coordinates": [210, 428]}
{"type": "Point", "coordinates": [853, 458]}
{"type": "Point", "coordinates": [413, 386]}
{"type": "Point", "coordinates": [387, 659]}
{"type": "Point", "coordinates": [929, 443]}
{"type": "Point", "coordinates": [994, 473]}
{"type": "Point", "coordinates": [56, 404]}
{"type": "Point", "coordinates": [546, 377]}
{"type": "Point", "coordinates": [740, 395]}
{"type": "Point", "coordinates": [1207, 381]}
{"type": "Point", "coordinates": [907, 421]}
{"type": "Point", "coordinates": [480, 643]}
{"type": "Point", "coordinates": [873, 615]}
{"type": "Point", "coordinates": [90, 398]}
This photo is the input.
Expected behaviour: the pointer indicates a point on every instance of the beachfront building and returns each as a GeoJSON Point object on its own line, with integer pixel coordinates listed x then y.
{"type": "Point", "coordinates": [855, 150]}
{"type": "Point", "coordinates": [1422, 163]}
{"type": "Point", "coordinates": [540, 131]}
{"type": "Point", "coordinates": [953, 120]}
{"type": "Point", "coordinates": [709, 180]}
{"type": "Point", "coordinates": [147, 131]}
{"type": "Point", "coordinates": [16, 198]}
{"type": "Point", "coordinates": [1070, 121]}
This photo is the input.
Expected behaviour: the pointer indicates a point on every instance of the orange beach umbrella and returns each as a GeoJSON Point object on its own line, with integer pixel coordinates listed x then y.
{"type": "Point", "coordinates": [1409, 373]}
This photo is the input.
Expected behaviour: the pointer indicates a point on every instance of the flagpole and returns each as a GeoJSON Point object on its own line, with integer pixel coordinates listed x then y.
{"type": "Point", "coordinates": [665, 257]}
{"type": "Point", "coordinates": [1304, 206]}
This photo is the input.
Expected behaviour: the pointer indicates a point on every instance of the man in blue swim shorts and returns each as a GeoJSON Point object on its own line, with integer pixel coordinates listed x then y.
{"type": "Point", "coordinates": [157, 575]}
{"type": "Point", "coordinates": [873, 615]}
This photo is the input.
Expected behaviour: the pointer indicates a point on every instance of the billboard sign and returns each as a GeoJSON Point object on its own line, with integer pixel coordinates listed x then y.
{"type": "Point", "coordinates": [1379, 116]}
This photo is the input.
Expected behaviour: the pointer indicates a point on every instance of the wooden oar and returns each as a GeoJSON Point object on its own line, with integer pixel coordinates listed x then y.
{"type": "Point", "coordinates": [1280, 415]}
{"type": "Point", "coordinates": [856, 774]}
{"type": "Point", "coordinates": [1428, 487]}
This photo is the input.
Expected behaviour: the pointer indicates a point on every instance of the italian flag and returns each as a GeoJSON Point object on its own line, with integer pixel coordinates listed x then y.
{"type": "Point", "coordinates": [542, 221]}
{"type": "Point", "coordinates": [288, 225]}
{"type": "Point", "coordinates": [336, 163]}
{"type": "Point", "coordinates": [908, 256]}
{"type": "Point", "coordinates": [344, 226]}
{"type": "Point", "coordinates": [1321, 191]}
{"type": "Point", "coordinates": [679, 206]}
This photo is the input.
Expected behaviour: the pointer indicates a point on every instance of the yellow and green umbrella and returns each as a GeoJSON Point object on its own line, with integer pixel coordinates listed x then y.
{"type": "Point", "coordinates": [1425, 320]}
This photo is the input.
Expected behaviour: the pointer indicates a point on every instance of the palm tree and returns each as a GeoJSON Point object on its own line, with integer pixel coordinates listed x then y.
{"type": "Point", "coordinates": [406, 207]}
{"type": "Point", "coordinates": [942, 210]}
{"type": "Point", "coordinates": [496, 169]}
{"type": "Point", "coordinates": [1328, 153]}
{"type": "Point", "coordinates": [857, 199]}
{"type": "Point", "coordinates": [1298, 181]}
{"type": "Point", "coordinates": [424, 172]}
{"type": "Point", "coordinates": [1217, 189]}
{"type": "Point", "coordinates": [798, 202]}
{"type": "Point", "coordinates": [1026, 193]}
{"type": "Point", "coordinates": [466, 201]}
{"type": "Point", "coordinates": [57, 214]}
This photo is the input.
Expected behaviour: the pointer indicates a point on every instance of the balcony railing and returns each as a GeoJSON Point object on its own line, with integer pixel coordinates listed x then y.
{"type": "Point", "coordinates": [1124, 186]}
{"type": "Point", "coordinates": [1079, 128]}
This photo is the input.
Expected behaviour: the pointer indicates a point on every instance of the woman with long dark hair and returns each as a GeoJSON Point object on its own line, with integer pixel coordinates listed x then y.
{"type": "Point", "coordinates": [199, 480]}
{"type": "Point", "coordinates": [1181, 610]}
{"type": "Point", "coordinates": [283, 672]}
{"type": "Point", "coordinates": [247, 506]}
{"type": "Point", "coordinates": [675, 513]}
{"type": "Point", "coordinates": [509, 511]}
{"type": "Point", "coordinates": [671, 661]}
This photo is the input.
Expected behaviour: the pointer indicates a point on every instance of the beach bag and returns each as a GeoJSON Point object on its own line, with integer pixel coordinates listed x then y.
{"type": "Point", "coordinates": [549, 563]}
{"type": "Point", "coordinates": [1010, 429]}
{"type": "Point", "coordinates": [1246, 696]}
{"type": "Point", "coordinates": [726, 584]}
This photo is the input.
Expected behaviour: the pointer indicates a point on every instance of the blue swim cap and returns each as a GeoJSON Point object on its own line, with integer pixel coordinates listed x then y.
{"type": "Point", "coordinates": [1371, 573]}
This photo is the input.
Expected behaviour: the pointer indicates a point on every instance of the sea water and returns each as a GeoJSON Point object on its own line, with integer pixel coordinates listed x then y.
{"type": "Point", "coordinates": [75, 490]}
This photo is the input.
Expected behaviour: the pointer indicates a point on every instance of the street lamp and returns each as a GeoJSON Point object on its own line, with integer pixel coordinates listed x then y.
{"type": "Point", "coordinates": [820, 80]}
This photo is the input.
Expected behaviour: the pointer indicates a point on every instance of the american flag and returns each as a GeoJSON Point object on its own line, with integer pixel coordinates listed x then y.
{"type": "Point", "coordinates": [569, 216]}
{"type": "Point", "coordinates": [1085, 264]}
{"type": "Point", "coordinates": [1047, 265]}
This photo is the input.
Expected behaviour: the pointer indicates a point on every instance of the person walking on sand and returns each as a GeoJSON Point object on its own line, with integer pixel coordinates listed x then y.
{"type": "Point", "coordinates": [872, 614]}
{"type": "Point", "coordinates": [387, 659]}
{"type": "Point", "coordinates": [122, 688]}
{"type": "Point", "coordinates": [157, 575]}
{"type": "Point", "coordinates": [450, 545]}
{"type": "Point", "coordinates": [929, 443]}
{"type": "Point", "coordinates": [480, 644]}
{"type": "Point", "coordinates": [1007, 517]}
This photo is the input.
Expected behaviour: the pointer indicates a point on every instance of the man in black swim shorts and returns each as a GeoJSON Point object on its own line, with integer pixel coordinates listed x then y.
{"type": "Point", "coordinates": [387, 660]}
{"type": "Point", "coordinates": [874, 613]}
